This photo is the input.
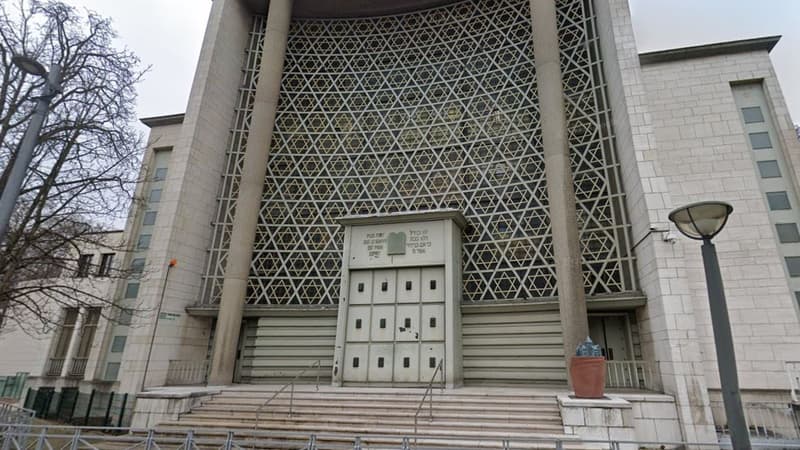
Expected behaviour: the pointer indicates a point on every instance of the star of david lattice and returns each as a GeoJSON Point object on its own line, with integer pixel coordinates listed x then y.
{"type": "Point", "coordinates": [432, 109]}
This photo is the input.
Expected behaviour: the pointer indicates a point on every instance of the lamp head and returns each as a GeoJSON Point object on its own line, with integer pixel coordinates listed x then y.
{"type": "Point", "coordinates": [702, 220]}
{"type": "Point", "coordinates": [29, 65]}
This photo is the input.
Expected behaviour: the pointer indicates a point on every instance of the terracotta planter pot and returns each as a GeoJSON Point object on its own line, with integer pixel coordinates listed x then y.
{"type": "Point", "coordinates": [588, 376]}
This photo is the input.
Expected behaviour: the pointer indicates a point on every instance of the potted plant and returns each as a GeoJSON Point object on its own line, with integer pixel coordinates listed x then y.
{"type": "Point", "coordinates": [587, 370]}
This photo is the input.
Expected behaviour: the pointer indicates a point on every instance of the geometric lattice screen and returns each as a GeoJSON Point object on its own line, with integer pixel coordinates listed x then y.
{"type": "Point", "coordinates": [432, 109]}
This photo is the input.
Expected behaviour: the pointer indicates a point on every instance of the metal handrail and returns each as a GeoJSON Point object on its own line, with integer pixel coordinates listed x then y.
{"type": "Point", "coordinates": [317, 363]}
{"type": "Point", "coordinates": [425, 395]}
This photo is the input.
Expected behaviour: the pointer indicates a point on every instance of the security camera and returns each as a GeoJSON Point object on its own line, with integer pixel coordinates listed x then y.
{"type": "Point", "coordinates": [668, 237]}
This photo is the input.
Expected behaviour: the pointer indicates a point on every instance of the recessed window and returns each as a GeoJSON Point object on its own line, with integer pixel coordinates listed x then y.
{"type": "Point", "coordinates": [383, 323]}
{"type": "Point", "coordinates": [118, 344]}
{"type": "Point", "coordinates": [787, 232]}
{"type": "Point", "coordinates": [752, 114]}
{"type": "Point", "coordinates": [160, 174]}
{"type": "Point", "coordinates": [155, 196]}
{"type": "Point", "coordinates": [380, 362]}
{"type": "Point", "coordinates": [408, 285]}
{"type": "Point", "coordinates": [84, 262]}
{"type": "Point", "coordinates": [406, 362]}
{"type": "Point", "coordinates": [137, 265]}
{"type": "Point", "coordinates": [433, 285]}
{"type": "Point", "coordinates": [760, 140]}
{"type": "Point", "coordinates": [149, 218]}
{"type": "Point", "coordinates": [105, 264]}
{"type": "Point", "coordinates": [432, 322]}
{"type": "Point", "coordinates": [358, 324]}
{"type": "Point", "coordinates": [125, 317]}
{"type": "Point", "coordinates": [432, 362]}
{"type": "Point", "coordinates": [132, 290]}
{"type": "Point", "coordinates": [360, 287]}
{"type": "Point", "coordinates": [355, 362]}
{"type": "Point", "coordinates": [144, 242]}
{"type": "Point", "coordinates": [384, 286]}
{"type": "Point", "coordinates": [793, 264]}
{"type": "Point", "coordinates": [797, 297]}
{"type": "Point", "coordinates": [778, 201]}
{"type": "Point", "coordinates": [407, 322]}
{"type": "Point", "coordinates": [112, 371]}
{"type": "Point", "coordinates": [769, 169]}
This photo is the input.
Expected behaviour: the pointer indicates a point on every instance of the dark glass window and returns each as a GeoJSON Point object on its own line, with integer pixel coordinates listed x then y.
{"type": "Point", "coordinates": [105, 264]}
{"type": "Point", "coordinates": [384, 286]}
{"type": "Point", "coordinates": [752, 114]}
{"type": "Point", "coordinates": [760, 140]}
{"type": "Point", "coordinates": [137, 265]}
{"type": "Point", "coordinates": [380, 362]}
{"type": "Point", "coordinates": [132, 290]}
{"type": "Point", "coordinates": [160, 174]}
{"type": "Point", "coordinates": [408, 322]}
{"type": "Point", "coordinates": [383, 323]}
{"type": "Point", "coordinates": [793, 264]}
{"type": "Point", "coordinates": [769, 169]}
{"type": "Point", "coordinates": [358, 324]}
{"type": "Point", "coordinates": [432, 362]}
{"type": "Point", "coordinates": [408, 285]}
{"type": "Point", "coordinates": [433, 322]}
{"type": "Point", "coordinates": [433, 285]}
{"type": "Point", "coordinates": [84, 263]}
{"type": "Point", "coordinates": [778, 201]}
{"type": "Point", "coordinates": [144, 241]}
{"type": "Point", "coordinates": [355, 362]}
{"type": "Point", "coordinates": [787, 232]}
{"type": "Point", "coordinates": [406, 362]}
{"type": "Point", "coordinates": [149, 218]}
{"type": "Point", "coordinates": [155, 196]}
{"type": "Point", "coordinates": [118, 344]}
{"type": "Point", "coordinates": [360, 287]}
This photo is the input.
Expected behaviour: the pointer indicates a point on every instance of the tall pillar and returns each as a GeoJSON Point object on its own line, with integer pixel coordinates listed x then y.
{"type": "Point", "coordinates": [560, 187]}
{"type": "Point", "coordinates": [251, 187]}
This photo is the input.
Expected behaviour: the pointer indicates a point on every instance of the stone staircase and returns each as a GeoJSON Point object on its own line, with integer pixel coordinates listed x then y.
{"type": "Point", "coordinates": [380, 417]}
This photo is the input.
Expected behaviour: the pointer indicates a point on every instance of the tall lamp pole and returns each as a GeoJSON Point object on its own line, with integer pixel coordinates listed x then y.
{"type": "Point", "coordinates": [30, 139]}
{"type": "Point", "coordinates": [702, 221]}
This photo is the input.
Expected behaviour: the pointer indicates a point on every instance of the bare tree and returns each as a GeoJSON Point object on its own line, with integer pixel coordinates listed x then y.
{"type": "Point", "coordinates": [84, 170]}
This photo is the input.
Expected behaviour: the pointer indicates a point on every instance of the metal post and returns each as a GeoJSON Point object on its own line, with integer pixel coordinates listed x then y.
{"type": "Point", "coordinates": [76, 440]}
{"type": "Point", "coordinates": [89, 409]}
{"type": "Point", "coordinates": [155, 325]}
{"type": "Point", "coordinates": [42, 439]}
{"type": "Point", "coordinates": [726, 358]}
{"type": "Point", "coordinates": [148, 444]}
{"type": "Point", "coordinates": [108, 409]}
{"type": "Point", "coordinates": [291, 400]}
{"type": "Point", "coordinates": [312, 442]}
{"type": "Point", "coordinates": [357, 443]}
{"type": "Point", "coordinates": [25, 153]}
{"type": "Point", "coordinates": [122, 409]}
{"type": "Point", "coordinates": [189, 441]}
{"type": "Point", "coordinates": [229, 441]}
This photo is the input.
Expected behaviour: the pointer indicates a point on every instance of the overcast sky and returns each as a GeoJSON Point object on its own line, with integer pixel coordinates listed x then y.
{"type": "Point", "coordinates": [166, 35]}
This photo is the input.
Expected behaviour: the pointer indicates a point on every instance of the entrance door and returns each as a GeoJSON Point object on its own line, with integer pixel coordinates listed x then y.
{"type": "Point", "coordinates": [395, 325]}
{"type": "Point", "coordinates": [610, 332]}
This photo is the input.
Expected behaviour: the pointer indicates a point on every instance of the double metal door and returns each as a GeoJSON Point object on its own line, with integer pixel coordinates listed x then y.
{"type": "Point", "coordinates": [395, 325]}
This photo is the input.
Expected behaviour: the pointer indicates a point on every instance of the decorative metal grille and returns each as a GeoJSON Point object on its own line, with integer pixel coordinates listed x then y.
{"type": "Point", "coordinates": [433, 109]}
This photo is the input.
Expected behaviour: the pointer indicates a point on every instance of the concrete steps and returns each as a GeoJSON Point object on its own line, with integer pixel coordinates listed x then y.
{"type": "Point", "coordinates": [380, 417]}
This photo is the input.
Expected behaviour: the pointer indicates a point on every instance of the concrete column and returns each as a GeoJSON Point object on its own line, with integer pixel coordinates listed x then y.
{"type": "Point", "coordinates": [560, 188]}
{"type": "Point", "coordinates": [251, 187]}
{"type": "Point", "coordinates": [75, 341]}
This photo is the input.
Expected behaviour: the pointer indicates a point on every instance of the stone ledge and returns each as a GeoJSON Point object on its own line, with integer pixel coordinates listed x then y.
{"type": "Point", "coordinates": [607, 402]}
{"type": "Point", "coordinates": [179, 392]}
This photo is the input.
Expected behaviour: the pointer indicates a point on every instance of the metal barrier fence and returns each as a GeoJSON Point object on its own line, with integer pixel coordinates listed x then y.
{"type": "Point", "coordinates": [642, 375]}
{"type": "Point", "coordinates": [12, 386]}
{"type": "Point", "coordinates": [793, 372]}
{"type": "Point", "coordinates": [79, 408]}
{"type": "Point", "coordinates": [187, 373]}
{"type": "Point", "coordinates": [770, 421]}
{"type": "Point", "coordinates": [13, 414]}
{"type": "Point", "coordinates": [52, 437]}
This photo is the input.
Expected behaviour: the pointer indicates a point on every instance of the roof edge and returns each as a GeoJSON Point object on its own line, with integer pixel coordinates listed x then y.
{"type": "Point", "coordinates": [160, 121]}
{"type": "Point", "coordinates": [765, 43]}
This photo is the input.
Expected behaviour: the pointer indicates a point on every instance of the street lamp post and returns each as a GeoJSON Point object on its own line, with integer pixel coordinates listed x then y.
{"type": "Point", "coordinates": [702, 221]}
{"type": "Point", "coordinates": [30, 139]}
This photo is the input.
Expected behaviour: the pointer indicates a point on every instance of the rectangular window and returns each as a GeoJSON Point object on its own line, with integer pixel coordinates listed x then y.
{"type": "Point", "coordinates": [144, 242]}
{"type": "Point", "coordinates": [778, 201]}
{"type": "Point", "coordinates": [149, 218]}
{"type": "Point", "coordinates": [125, 317]}
{"type": "Point", "coordinates": [105, 264]}
{"type": "Point", "coordinates": [797, 297]}
{"type": "Point", "coordinates": [752, 114]}
{"type": "Point", "coordinates": [769, 169]}
{"type": "Point", "coordinates": [160, 174]}
{"type": "Point", "coordinates": [87, 332]}
{"type": "Point", "coordinates": [65, 334]}
{"type": "Point", "coordinates": [793, 264]}
{"type": "Point", "coordinates": [155, 196]}
{"type": "Point", "coordinates": [118, 344]}
{"type": "Point", "coordinates": [112, 371]}
{"type": "Point", "coordinates": [760, 140]}
{"type": "Point", "coordinates": [132, 290]}
{"type": "Point", "coordinates": [137, 265]}
{"type": "Point", "coordinates": [787, 233]}
{"type": "Point", "coordinates": [84, 263]}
